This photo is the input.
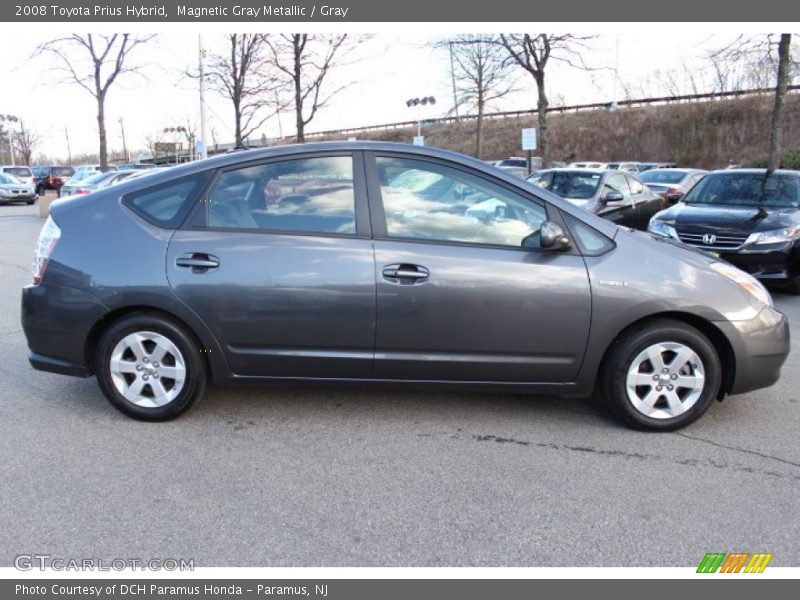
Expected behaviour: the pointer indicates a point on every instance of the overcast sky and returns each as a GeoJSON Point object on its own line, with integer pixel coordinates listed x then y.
{"type": "Point", "coordinates": [388, 69]}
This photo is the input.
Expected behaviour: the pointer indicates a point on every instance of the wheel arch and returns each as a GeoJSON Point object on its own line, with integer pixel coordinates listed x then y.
{"type": "Point", "coordinates": [213, 358]}
{"type": "Point", "coordinates": [718, 339]}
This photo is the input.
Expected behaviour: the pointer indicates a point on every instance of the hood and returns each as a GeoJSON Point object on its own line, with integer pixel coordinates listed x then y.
{"type": "Point", "coordinates": [728, 220]}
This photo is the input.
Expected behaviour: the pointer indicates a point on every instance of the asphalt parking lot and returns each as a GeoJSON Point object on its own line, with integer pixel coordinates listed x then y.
{"type": "Point", "coordinates": [320, 476]}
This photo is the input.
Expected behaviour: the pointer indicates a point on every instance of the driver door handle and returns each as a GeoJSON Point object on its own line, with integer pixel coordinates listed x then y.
{"type": "Point", "coordinates": [405, 273]}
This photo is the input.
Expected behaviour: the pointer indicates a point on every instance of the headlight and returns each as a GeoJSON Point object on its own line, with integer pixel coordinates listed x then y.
{"type": "Point", "coordinates": [660, 228]}
{"type": "Point", "coordinates": [744, 280]}
{"type": "Point", "coordinates": [775, 236]}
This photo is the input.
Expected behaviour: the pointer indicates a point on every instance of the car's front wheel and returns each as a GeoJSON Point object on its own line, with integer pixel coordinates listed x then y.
{"type": "Point", "coordinates": [149, 367]}
{"type": "Point", "coordinates": [661, 376]}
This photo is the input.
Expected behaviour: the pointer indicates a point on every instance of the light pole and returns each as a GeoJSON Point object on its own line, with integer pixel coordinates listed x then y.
{"type": "Point", "coordinates": [124, 145]}
{"type": "Point", "coordinates": [201, 68]}
{"type": "Point", "coordinates": [10, 119]}
{"type": "Point", "coordinates": [419, 103]}
{"type": "Point", "coordinates": [176, 131]}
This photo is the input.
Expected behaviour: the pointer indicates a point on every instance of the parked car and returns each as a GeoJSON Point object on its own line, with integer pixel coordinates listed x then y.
{"type": "Point", "coordinates": [745, 216]}
{"type": "Point", "coordinates": [587, 165]}
{"type": "Point", "coordinates": [51, 178]}
{"type": "Point", "coordinates": [94, 182]}
{"type": "Point", "coordinates": [23, 174]}
{"type": "Point", "coordinates": [671, 184]}
{"type": "Point", "coordinates": [630, 167]}
{"type": "Point", "coordinates": [617, 196]}
{"type": "Point", "coordinates": [12, 189]}
{"type": "Point", "coordinates": [371, 261]}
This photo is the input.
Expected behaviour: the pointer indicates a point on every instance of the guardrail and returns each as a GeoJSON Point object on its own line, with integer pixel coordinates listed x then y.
{"type": "Point", "coordinates": [556, 109]}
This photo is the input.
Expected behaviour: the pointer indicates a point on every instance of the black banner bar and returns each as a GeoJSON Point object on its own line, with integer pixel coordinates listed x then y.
{"type": "Point", "coordinates": [350, 11]}
{"type": "Point", "coordinates": [373, 589]}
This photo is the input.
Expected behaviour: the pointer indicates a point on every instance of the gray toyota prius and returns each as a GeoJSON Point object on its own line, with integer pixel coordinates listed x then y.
{"type": "Point", "coordinates": [368, 261]}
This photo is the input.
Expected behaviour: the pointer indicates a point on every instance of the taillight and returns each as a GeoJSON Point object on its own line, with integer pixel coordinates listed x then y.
{"type": "Point", "coordinates": [48, 238]}
{"type": "Point", "coordinates": [51, 180]}
{"type": "Point", "coordinates": [674, 192]}
{"type": "Point", "coordinates": [82, 191]}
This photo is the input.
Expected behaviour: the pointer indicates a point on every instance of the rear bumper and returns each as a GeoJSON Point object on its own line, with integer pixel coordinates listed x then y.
{"type": "Point", "coordinates": [57, 321]}
{"type": "Point", "coordinates": [761, 346]}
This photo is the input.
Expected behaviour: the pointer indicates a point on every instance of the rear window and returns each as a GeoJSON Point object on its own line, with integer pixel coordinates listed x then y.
{"type": "Point", "coordinates": [166, 204]}
{"type": "Point", "coordinates": [669, 176]}
{"type": "Point", "coordinates": [62, 172]}
{"type": "Point", "coordinates": [18, 171]}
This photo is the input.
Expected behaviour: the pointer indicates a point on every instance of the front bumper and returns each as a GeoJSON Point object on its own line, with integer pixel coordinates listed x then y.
{"type": "Point", "coordinates": [776, 265]}
{"type": "Point", "coordinates": [760, 346]}
{"type": "Point", "coordinates": [57, 321]}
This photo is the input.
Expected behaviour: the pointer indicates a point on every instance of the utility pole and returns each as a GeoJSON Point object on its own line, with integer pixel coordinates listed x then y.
{"type": "Point", "coordinates": [201, 65]}
{"type": "Point", "coordinates": [453, 79]}
{"type": "Point", "coordinates": [69, 152]}
{"type": "Point", "coordinates": [124, 145]}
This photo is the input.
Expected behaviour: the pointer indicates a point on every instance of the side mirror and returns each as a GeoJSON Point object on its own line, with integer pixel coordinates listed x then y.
{"type": "Point", "coordinates": [553, 236]}
{"type": "Point", "coordinates": [612, 196]}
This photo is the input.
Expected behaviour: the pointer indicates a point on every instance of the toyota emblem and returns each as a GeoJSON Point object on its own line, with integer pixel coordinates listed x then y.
{"type": "Point", "coordinates": [709, 239]}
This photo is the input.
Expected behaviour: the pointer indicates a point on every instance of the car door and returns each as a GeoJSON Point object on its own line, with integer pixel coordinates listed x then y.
{"type": "Point", "coordinates": [277, 260]}
{"type": "Point", "coordinates": [464, 292]}
{"type": "Point", "coordinates": [647, 202]}
{"type": "Point", "coordinates": [622, 212]}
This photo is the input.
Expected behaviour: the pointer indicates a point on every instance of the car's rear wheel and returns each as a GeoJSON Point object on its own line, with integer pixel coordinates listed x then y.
{"type": "Point", "coordinates": [661, 376]}
{"type": "Point", "coordinates": [149, 367]}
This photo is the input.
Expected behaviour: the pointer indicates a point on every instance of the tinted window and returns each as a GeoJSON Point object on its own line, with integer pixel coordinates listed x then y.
{"type": "Point", "coordinates": [428, 201]}
{"type": "Point", "coordinates": [163, 204]}
{"type": "Point", "coordinates": [578, 185]}
{"type": "Point", "coordinates": [747, 189]}
{"type": "Point", "coordinates": [313, 195]}
{"type": "Point", "coordinates": [63, 171]}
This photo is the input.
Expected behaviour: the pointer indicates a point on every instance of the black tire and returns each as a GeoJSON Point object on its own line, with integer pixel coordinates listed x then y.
{"type": "Point", "coordinates": [792, 286]}
{"type": "Point", "coordinates": [620, 360]}
{"type": "Point", "coordinates": [29, 202]}
{"type": "Point", "coordinates": [195, 379]}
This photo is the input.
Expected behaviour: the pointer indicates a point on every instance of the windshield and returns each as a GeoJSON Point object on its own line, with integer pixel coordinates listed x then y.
{"type": "Point", "coordinates": [578, 185]}
{"type": "Point", "coordinates": [667, 176]}
{"type": "Point", "coordinates": [8, 179]}
{"type": "Point", "coordinates": [747, 189]}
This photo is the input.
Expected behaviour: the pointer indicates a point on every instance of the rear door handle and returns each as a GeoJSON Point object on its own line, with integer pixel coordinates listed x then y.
{"type": "Point", "coordinates": [197, 262]}
{"type": "Point", "coordinates": [404, 273]}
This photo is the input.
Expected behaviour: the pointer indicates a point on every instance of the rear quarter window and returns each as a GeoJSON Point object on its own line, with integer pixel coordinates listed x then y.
{"type": "Point", "coordinates": [165, 204]}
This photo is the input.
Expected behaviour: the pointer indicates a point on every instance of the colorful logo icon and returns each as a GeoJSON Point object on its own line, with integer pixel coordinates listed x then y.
{"type": "Point", "coordinates": [734, 562]}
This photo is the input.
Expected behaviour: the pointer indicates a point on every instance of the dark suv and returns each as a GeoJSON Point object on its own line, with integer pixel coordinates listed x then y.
{"type": "Point", "coordinates": [746, 216]}
{"type": "Point", "coordinates": [51, 178]}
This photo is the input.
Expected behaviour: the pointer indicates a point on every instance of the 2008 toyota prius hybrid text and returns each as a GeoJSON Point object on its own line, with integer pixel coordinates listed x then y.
{"type": "Point", "coordinates": [391, 263]}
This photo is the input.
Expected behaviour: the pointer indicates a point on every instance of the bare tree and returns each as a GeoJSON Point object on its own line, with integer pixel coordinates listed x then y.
{"type": "Point", "coordinates": [481, 73]}
{"type": "Point", "coordinates": [782, 85]}
{"type": "Point", "coordinates": [533, 52]}
{"type": "Point", "coordinates": [767, 61]}
{"type": "Point", "coordinates": [305, 61]}
{"type": "Point", "coordinates": [95, 62]}
{"type": "Point", "coordinates": [26, 142]}
{"type": "Point", "coordinates": [243, 75]}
